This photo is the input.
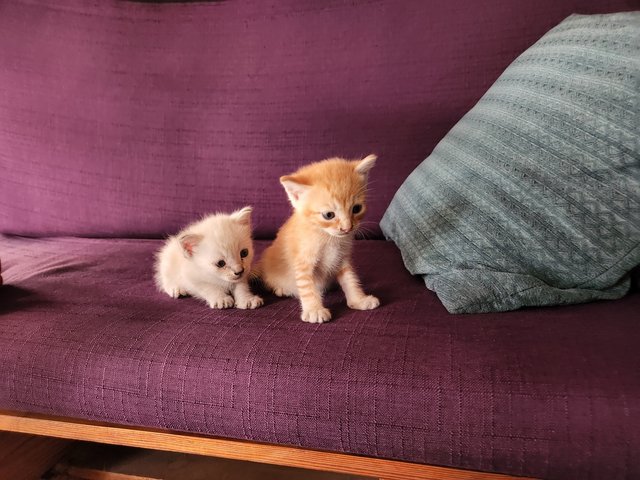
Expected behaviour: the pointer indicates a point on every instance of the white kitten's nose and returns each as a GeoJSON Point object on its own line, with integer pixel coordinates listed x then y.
{"type": "Point", "coordinates": [239, 272]}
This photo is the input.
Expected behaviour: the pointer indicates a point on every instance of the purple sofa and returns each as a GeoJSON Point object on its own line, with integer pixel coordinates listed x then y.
{"type": "Point", "coordinates": [122, 121]}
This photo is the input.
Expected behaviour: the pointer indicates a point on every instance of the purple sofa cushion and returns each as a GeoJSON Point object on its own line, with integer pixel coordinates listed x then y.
{"type": "Point", "coordinates": [129, 119]}
{"type": "Point", "coordinates": [550, 393]}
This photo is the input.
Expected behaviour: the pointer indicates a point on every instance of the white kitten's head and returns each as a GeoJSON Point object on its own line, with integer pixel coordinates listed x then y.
{"type": "Point", "coordinates": [220, 245]}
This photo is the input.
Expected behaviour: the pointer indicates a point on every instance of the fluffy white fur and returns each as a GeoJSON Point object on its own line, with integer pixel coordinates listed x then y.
{"type": "Point", "coordinates": [211, 260]}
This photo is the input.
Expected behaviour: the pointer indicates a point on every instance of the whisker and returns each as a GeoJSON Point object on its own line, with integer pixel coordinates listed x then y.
{"type": "Point", "coordinates": [364, 232]}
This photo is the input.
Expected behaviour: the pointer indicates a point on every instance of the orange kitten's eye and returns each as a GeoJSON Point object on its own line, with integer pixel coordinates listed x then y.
{"type": "Point", "coordinates": [328, 215]}
{"type": "Point", "coordinates": [221, 264]}
{"type": "Point", "coordinates": [244, 252]}
{"type": "Point", "coordinates": [357, 208]}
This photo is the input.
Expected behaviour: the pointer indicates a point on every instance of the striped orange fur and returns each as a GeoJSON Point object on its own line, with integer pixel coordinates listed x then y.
{"type": "Point", "coordinates": [313, 247]}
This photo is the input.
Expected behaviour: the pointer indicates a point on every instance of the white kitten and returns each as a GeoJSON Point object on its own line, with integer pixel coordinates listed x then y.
{"type": "Point", "coordinates": [211, 260]}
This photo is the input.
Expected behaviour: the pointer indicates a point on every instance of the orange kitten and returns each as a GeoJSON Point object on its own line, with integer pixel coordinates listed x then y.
{"type": "Point", "coordinates": [314, 246]}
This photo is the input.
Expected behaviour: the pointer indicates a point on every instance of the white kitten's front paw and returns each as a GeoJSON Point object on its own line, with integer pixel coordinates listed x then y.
{"type": "Point", "coordinates": [319, 315]}
{"type": "Point", "coordinates": [175, 292]}
{"type": "Point", "coordinates": [223, 301]}
{"type": "Point", "coordinates": [250, 302]}
{"type": "Point", "coordinates": [368, 302]}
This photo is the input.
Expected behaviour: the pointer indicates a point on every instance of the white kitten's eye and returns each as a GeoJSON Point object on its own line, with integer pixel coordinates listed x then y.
{"type": "Point", "coordinates": [328, 215]}
{"type": "Point", "coordinates": [243, 253]}
{"type": "Point", "coordinates": [357, 208]}
{"type": "Point", "coordinates": [221, 264]}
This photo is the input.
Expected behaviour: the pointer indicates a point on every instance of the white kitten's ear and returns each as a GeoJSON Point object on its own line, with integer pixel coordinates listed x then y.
{"type": "Point", "coordinates": [365, 165]}
{"type": "Point", "coordinates": [189, 242]}
{"type": "Point", "coordinates": [242, 216]}
{"type": "Point", "coordinates": [295, 188]}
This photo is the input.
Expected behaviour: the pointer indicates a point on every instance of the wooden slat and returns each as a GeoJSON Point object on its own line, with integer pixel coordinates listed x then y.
{"type": "Point", "coordinates": [234, 449]}
{"type": "Point", "coordinates": [93, 474]}
{"type": "Point", "coordinates": [94, 461]}
{"type": "Point", "coordinates": [27, 457]}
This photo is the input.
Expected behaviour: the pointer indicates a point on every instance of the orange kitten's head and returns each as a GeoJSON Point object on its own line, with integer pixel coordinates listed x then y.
{"type": "Point", "coordinates": [331, 194]}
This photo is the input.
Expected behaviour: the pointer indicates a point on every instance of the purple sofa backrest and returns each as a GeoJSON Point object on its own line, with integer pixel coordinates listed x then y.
{"type": "Point", "coordinates": [132, 119]}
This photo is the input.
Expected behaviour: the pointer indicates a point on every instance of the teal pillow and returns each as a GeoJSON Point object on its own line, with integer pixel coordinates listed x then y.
{"type": "Point", "coordinates": [533, 198]}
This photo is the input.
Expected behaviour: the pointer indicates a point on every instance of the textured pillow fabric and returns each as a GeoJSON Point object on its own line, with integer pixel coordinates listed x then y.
{"type": "Point", "coordinates": [533, 198]}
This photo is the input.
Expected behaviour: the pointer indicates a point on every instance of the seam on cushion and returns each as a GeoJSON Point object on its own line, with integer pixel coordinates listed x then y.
{"type": "Point", "coordinates": [499, 271]}
{"type": "Point", "coordinates": [484, 304]}
{"type": "Point", "coordinates": [624, 257]}
{"type": "Point", "coordinates": [511, 295]}
{"type": "Point", "coordinates": [518, 292]}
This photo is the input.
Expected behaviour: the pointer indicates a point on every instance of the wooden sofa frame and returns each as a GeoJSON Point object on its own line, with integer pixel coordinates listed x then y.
{"type": "Point", "coordinates": [51, 429]}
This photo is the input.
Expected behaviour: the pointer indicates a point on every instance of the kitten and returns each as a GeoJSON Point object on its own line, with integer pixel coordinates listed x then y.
{"type": "Point", "coordinates": [211, 260]}
{"type": "Point", "coordinates": [314, 245]}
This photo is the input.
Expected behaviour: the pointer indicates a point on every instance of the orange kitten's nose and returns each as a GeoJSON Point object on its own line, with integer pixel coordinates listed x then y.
{"type": "Point", "coordinates": [238, 273]}
{"type": "Point", "coordinates": [345, 226]}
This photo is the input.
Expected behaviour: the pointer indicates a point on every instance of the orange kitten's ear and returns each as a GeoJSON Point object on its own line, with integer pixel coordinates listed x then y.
{"type": "Point", "coordinates": [295, 188]}
{"type": "Point", "coordinates": [365, 165]}
{"type": "Point", "coordinates": [242, 216]}
{"type": "Point", "coordinates": [189, 242]}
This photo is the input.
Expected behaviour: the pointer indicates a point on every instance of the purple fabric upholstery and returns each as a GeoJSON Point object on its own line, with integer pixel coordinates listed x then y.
{"type": "Point", "coordinates": [129, 119]}
{"type": "Point", "coordinates": [552, 393]}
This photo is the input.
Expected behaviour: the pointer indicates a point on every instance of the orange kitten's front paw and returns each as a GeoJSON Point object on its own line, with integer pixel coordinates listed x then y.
{"type": "Point", "coordinates": [320, 315]}
{"type": "Point", "coordinates": [250, 303]}
{"type": "Point", "coordinates": [368, 302]}
{"type": "Point", "coordinates": [281, 292]}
